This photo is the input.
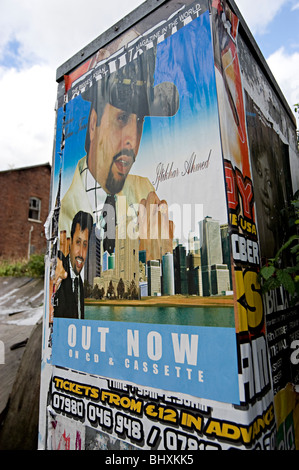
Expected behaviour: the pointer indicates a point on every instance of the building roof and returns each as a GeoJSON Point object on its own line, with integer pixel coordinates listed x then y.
{"type": "Point", "coordinates": [47, 165]}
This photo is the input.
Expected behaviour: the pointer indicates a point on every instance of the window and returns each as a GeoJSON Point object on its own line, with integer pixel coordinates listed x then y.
{"type": "Point", "coordinates": [34, 208]}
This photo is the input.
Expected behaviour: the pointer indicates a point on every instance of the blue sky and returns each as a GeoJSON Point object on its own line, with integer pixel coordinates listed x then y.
{"type": "Point", "coordinates": [283, 30]}
{"type": "Point", "coordinates": [37, 36]}
{"type": "Point", "coordinates": [277, 28]}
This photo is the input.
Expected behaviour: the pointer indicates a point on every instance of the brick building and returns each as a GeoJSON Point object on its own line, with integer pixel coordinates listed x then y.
{"type": "Point", "coordinates": [24, 196]}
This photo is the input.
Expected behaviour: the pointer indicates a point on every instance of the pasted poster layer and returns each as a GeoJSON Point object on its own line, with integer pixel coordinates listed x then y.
{"type": "Point", "coordinates": [142, 215]}
{"type": "Point", "coordinates": [141, 315]}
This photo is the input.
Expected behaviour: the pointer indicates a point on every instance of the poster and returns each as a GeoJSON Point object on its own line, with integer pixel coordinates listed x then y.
{"type": "Point", "coordinates": [273, 196]}
{"type": "Point", "coordinates": [259, 191]}
{"type": "Point", "coordinates": [154, 333]}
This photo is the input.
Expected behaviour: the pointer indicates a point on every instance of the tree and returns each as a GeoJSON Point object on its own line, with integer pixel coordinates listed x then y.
{"type": "Point", "coordinates": [120, 289]}
{"type": "Point", "coordinates": [111, 290]}
{"type": "Point", "coordinates": [87, 289]}
{"type": "Point", "coordinates": [132, 291]}
{"type": "Point", "coordinates": [96, 292]}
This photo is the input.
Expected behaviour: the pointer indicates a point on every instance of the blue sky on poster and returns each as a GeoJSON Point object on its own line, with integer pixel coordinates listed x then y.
{"type": "Point", "coordinates": [38, 36]}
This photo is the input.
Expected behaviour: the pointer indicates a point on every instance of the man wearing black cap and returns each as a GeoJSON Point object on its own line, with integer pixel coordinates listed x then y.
{"type": "Point", "coordinates": [119, 104]}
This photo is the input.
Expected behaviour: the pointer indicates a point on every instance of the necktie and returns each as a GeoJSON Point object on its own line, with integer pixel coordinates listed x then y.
{"type": "Point", "coordinates": [76, 288]}
{"type": "Point", "coordinates": [109, 215]}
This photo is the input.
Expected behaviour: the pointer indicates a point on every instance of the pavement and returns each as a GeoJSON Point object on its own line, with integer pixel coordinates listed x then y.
{"type": "Point", "coordinates": [21, 309]}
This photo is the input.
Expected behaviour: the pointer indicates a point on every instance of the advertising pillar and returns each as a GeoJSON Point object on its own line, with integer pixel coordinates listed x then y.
{"type": "Point", "coordinates": [154, 327]}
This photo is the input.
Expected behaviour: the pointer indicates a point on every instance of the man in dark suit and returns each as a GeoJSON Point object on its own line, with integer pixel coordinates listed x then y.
{"type": "Point", "coordinates": [69, 295]}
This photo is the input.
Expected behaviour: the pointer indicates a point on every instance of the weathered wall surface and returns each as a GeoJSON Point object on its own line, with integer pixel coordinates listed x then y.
{"type": "Point", "coordinates": [259, 83]}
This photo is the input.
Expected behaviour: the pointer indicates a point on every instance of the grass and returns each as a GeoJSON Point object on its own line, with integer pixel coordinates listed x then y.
{"type": "Point", "coordinates": [34, 267]}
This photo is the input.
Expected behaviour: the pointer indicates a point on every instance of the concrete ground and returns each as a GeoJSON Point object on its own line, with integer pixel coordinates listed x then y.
{"type": "Point", "coordinates": [21, 311]}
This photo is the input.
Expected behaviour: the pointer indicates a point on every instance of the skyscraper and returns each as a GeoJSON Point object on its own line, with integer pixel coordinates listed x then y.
{"type": "Point", "coordinates": [180, 271]}
{"type": "Point", "coordinates": [167, 274]}
{"type": "Point", "coordinates": [154, 277]}
{"type": "Point", "coordinates": [211, 249]}
{"type": "Point", "coordinates": [215, 274]}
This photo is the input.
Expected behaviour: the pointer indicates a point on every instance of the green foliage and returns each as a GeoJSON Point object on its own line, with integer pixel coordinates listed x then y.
{"type": "Point", "coordinates": [35, 267]}
{"type": "Point", "coordinates": [14, 269]}
{"type": "Point", "coordinates": [277, 273]}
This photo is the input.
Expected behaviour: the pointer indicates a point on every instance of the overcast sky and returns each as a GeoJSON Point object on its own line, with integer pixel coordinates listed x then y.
{"type": "Point", "coordinates": [36, 37]}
